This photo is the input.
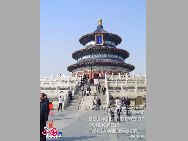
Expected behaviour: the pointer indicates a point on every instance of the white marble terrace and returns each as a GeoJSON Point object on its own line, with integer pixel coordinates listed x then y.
{"type": "Point", "coordinates": [116, 85]}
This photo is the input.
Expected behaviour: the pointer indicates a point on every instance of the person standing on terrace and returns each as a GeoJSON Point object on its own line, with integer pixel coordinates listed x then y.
{"type": "Point", "coordinates": [60, 103]}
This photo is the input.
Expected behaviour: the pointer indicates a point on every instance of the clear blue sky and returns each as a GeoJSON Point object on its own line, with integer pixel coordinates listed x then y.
{"type": "Point", "coordinates": [63, 22]}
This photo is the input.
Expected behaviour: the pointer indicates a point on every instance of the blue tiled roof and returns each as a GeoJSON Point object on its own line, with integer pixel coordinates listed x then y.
{"type": "Point", "coordinates": [100, 29]}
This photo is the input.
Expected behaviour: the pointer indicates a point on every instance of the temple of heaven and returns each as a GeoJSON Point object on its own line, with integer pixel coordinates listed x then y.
{"type": "Point", "coordinates": [100, 55]}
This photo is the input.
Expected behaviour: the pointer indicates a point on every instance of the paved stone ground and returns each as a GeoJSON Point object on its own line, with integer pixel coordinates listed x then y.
{"type": "Point", "coordinates": [75, 126]}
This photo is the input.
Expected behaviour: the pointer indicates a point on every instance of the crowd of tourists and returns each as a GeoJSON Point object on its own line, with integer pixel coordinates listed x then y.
{"type": "Point", "coordinates": [85, 84]}
{"type": "Point", "coordinates": [99, 89]}
{"type": "Point", "coordinates": [115, 104]}
{"type": "Point", "coordinates": [85, 87]}
{"type": "Point", "coordinates": [87, 80]}
{"type": "Point", "coordinates": [99, 76]}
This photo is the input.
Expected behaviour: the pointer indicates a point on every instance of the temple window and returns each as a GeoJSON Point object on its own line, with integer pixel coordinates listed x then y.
{"type": "Point", "coordinates": [109, 43]}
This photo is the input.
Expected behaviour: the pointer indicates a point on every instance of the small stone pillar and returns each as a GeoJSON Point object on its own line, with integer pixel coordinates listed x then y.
{"type": "Point", "coordinates": [116, 82]}
{"type": "Point", "coordinates": [136, 89]}
{"type": "Point", "coordinates": [133, 76]}
{"type": "Point", "coordinates": [68, 82]}
{"type": "Point", "coordinates": [119, 76]}
{"type": "Point", "coordinates": [126, 78]}
{"type": "Point", "coordinates": [121, 87]}
{"type": "Point", "coordinates": [56, 91]}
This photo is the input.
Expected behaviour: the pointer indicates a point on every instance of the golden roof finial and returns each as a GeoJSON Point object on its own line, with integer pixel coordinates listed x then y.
{"type": "Point", "coordinates": [100, 21]}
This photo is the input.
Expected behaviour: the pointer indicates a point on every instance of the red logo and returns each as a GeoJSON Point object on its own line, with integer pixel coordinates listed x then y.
{"type": "Point", "coordinates": [52, 132]}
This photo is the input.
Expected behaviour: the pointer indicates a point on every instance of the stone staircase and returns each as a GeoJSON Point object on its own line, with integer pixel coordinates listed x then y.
{"type": "Point", "coordinates": [93, 90]}
{"type": "Point", "coordinates": [101, 96]}
{"type": "Point", "coordinates": [103, 101]}
{"type": "Point", "coordinates": [86, 102]}
{"type": "Point", "coordinates": [74, 104]}
{"type": "Point", "coordinates": [102, 81]}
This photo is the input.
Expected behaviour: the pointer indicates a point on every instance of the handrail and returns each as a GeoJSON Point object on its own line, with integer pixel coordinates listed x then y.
{"type": "Point", "coordinates": [107, 91]}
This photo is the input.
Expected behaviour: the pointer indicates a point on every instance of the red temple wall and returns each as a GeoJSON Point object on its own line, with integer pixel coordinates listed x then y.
{"type": "Point", "coordinates": [91, 74]}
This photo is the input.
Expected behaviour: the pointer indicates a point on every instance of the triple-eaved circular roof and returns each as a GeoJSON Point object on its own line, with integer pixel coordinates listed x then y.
{"type": "Point", "coordinates": [101, 49]}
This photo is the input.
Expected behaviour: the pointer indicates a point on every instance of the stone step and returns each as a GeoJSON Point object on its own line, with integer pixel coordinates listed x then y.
{"type": "Point", "coordinates": [73, 105]}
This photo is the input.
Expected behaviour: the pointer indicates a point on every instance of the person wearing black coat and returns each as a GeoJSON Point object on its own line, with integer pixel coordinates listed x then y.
{"type": "Point", "coordinates": [110, 106]}
{"type": "Point", "coordinates": [70, 95]}
{"type": "Point", "coordinates": [43, 116]}
{"type": "Point", "coordinates": [82, 82]}
{"type": "Point", "coordinates": [127, 104]}
{"type": "Point", "coordinates": [99, 87]}
{"type": "Point", "coordinates": [98, 103]}
{"type": "Point", "coordinates": [90, 81]}
{"type": "Point", "coordinates": [103, 90]}
{"type": "Point", "coordinates": [47, 103]}
{"type": "Point", "coordinates": [89, 89]}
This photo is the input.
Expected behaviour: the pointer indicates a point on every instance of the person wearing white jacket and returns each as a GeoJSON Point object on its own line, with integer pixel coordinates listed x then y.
{"type": "Point", "coordinates": [118, 108]}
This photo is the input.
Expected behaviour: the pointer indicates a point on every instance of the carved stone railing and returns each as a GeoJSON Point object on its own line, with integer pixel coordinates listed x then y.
{"type": "Point", "coordinates": [107, 91]}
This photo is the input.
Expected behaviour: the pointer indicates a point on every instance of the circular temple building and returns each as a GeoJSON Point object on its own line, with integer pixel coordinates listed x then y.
{"type": "Point", "coordinates": [100, 55]}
